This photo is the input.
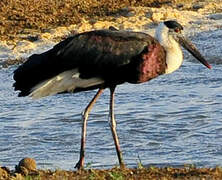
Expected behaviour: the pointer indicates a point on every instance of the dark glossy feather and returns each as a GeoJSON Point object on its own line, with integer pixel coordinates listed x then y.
{"type": "Point", "coordinates": [114, 56]}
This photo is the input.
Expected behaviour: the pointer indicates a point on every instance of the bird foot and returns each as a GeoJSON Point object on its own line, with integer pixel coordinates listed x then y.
{"type": "Point", "coordinates": [79, 165]}
{"type": "Point", "coordinates": [122, 166]}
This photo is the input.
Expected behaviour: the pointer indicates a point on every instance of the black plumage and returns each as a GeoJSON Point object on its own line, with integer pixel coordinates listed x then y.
{"type": "Point", "coordinates": [90, 60]}
{"type": "Point", "coordinates": [103, 59]}
{"type": "Point", "coordinates": [112, 55]}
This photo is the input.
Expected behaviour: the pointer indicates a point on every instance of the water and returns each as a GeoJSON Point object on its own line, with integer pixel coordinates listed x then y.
{"type": "Point", "coordinates": [173, 120]}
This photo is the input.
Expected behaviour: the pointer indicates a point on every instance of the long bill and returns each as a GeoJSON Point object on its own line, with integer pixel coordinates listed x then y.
{"type": "Point", "coordinates": [193, 50]}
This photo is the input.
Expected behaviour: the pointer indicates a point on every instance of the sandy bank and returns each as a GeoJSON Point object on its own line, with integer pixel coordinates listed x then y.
{"type": "Point", "coordinates": [195, 17]}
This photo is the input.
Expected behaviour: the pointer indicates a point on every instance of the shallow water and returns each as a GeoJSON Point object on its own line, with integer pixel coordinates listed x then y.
{"type": "Point", "coordinates": [173, 120]}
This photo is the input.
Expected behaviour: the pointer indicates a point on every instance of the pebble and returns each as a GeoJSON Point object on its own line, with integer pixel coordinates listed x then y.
{"type": "Point", "coordinates": [127, 12]}
{"type": "Point", "coordinates": [26, 166]}
{"type": "Point", "coordinates": [180, 6]}
{"type": "Point", "coordinates": [148, 15]}
{"type": "Point", "coordinates": [33, 38]}
{"type": "Point", "coordinates": [4, 172]}
{"type": "Point", "coordinates": [197, 6]}
{"type": "Point", "coordinates": [216, 16]}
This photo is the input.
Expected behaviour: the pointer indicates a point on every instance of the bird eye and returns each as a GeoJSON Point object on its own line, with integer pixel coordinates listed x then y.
{"type": "Point", "coordinates": [177, 30]}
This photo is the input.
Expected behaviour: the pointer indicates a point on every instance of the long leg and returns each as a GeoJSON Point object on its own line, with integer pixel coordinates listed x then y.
{"type": "Point", "coordinates": [112, 124]}
{"type": "Point", "coordinates": [85, 114]}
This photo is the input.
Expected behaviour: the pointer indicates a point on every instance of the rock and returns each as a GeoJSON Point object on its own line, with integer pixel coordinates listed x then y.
{"type": "Point", "coordinates": [26, 166]}
{"type": "Point", "coordinates": [33, 38]}
{"type": "Point", "coordinates": [180, 6]}
{"type": "Point", "coordinates": [197, 6]}
{"type": "Point", "coordinates": [216, 16]}
{"type": "Point", "coordinates": [127, 12]}
{"type": "Point", "coordinates": [148, 15]}
{"type": "Point", "coordinates": [4, 173]}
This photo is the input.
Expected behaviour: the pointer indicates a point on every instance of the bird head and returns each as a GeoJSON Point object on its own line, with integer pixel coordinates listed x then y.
{"type": "Point", "coordinates": [175, 29]}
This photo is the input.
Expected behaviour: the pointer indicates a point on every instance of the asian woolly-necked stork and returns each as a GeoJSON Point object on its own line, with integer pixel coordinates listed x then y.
{"type": "Point", "coordinates": [103, 59]}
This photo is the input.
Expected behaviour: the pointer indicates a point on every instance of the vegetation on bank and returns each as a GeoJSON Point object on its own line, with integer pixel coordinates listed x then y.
{"type": "Point", "coordinates": [140, 173]}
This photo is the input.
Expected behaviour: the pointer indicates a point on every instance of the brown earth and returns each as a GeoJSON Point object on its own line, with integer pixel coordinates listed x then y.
{"type": "Point", "coordinates": [140, 173]}
{"type": "Point", "coordinates": [31, 16]}
{"type": "Point", "coordinates": [26, 25]}
{"type": "Point", "coordinates": [27, 169]}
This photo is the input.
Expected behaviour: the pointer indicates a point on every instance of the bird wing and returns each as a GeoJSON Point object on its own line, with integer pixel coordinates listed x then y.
{"type": "Point", "coordinates": [95, 54]}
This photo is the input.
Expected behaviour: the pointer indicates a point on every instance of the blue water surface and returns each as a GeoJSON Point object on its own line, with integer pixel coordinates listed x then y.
{"type": "Point", "coordinates": [174, 120]}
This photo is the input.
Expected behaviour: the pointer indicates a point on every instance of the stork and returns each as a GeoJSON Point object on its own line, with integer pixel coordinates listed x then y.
{"type": "Point", "coordinates": [102, 59]}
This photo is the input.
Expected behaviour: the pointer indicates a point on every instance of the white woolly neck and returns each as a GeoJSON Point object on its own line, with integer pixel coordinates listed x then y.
{"type": "Point", "coordinates": [174, 55]}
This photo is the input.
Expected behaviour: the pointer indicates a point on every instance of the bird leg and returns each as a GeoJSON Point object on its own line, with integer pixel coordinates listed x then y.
{"type": "Point", "coordinates": [85, 114]}
{"type": "Point", "coordinates": [112, 123]}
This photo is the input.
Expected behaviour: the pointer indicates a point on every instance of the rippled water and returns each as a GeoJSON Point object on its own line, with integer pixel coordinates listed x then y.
{"type": "Point", "coordinates": [173, 120]}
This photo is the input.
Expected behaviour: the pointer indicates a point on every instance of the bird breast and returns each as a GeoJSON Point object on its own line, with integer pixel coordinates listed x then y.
{"type": "Point", "coordinates": [153, 63]}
